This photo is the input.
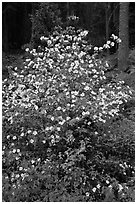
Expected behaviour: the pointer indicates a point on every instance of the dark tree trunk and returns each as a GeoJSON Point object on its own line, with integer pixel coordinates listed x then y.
{"type": "Point", "coordinates": [5, 43]}
{"type": "Point", "coordinates": [67, 9]}
{"type": "Point", "coordinates": [26, 27]}
{"type": "Point", "coordinates": [124, 36]}
{"type": "Point", "coordinates": [88, 14]}
{"type": "Point", "coordinates": [107, 20]}
{"type": "Point", "coordinates": [107, 23]}
{"type": "Point", "coordinates": [32, 27]}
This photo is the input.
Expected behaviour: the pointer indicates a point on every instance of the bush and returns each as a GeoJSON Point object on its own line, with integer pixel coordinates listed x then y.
{"type": "Point", "coordinates": [56, 113]}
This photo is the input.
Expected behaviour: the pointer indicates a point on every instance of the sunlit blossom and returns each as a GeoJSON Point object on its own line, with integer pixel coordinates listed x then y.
{"type": "Point", "coordinates": [98, 186]}
{"type": "Point", "coordinates": [94, 189]}
{"type": "Point", "coordinates": [18, 150]}
{"type": "Point", "coordinates": [59, 108]}
{"type": "Point", "coordinates": [32, 161]}
{"type": "Point", "coordinates": [87, 194]}
{"type": "Point", "coordinates": [31, 141]}
{"type": "Point", "coordinates": [14, 150]}
{"type": "Point", "coordinates": [58, 128]}
{"type": "Point", "coordinates": [35, 132]}
{"type": "Point", "coordinates": [107, 181]}
{"type": "Point", "coordinates": [120, 187]}
{"type": "Point", "coordinates": [20, 168]}
{"type": "Point", "coordinates": [27, 49]}
{"type": "Point", "coordinates": [29, 131]}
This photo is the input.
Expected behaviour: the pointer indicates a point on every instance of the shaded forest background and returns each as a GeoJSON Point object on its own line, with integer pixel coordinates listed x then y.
{"type": "Point", "coordinates": [101, 19]}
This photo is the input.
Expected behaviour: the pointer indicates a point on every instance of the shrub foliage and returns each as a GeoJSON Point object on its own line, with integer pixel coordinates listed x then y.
{"type": "Point", "coordinates": [65, 137]}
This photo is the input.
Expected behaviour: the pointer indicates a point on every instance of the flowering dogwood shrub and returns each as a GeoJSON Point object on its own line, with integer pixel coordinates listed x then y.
{"type": "Point", "coordinates": [51, 112]}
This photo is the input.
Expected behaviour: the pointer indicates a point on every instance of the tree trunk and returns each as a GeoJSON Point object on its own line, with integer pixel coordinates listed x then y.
{"type": "Point", "coordinates": [107, 22]}
{"type": "Point", "coordinates": [88, 14]}
{"type": "Point", "coordinates": [67, 9]}
{"type": "Point", "coordinates": [32, 22]}
{"type": "Point", "coordinates": [124, 36]}
{"type": "Point", "coordinates": [26, 24]}
{"type": "Point", "coordinates": [5, 42]}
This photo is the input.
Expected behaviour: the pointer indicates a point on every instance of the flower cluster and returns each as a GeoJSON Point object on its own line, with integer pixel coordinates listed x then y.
{"type": "Point", "coordinates": [60, 86]}
{"type": "Point", "coordinates": [64, 78]}
{"type": "Point", "coordinates": [73, 17]}
{"type": "Point", "coordinates": [61, 82]}
{"type": "Point", "coordinates": [109, 44]}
